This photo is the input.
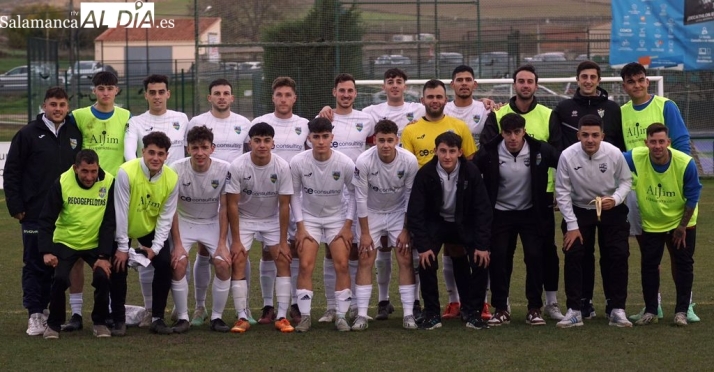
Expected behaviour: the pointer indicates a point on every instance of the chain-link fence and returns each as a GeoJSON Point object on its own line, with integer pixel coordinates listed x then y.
{"type": "Point", "coordinates": [425, 40]}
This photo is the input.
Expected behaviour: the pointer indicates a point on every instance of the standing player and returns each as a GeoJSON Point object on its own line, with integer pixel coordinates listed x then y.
{"type": "Point", "coordinates": [230, 132]}
{"type": "Point", "coordinates": [259, 203]}
{"type": "Point", "coordinates": [449, 204]}
{"type": "Point", "coordinates": [77, 221]}
{"type": "Point", "coordinates": [668, 191]}
{"type": "Point", "coordinates": [200, 218]}
{"type": "Point", "coordinates": [540, 127]}
{"type": "Point", "coordinates": [350, 132]}
{"type": "Point", "coordinates": [158, 118]}
{"type": "Point", "coordinates": [145, 194]}
{"type": "Point", "coordinates": [383, 180]}
{"type": "Point", "coordinates": [324, 177]}
{"type": "Point", "coordinates": [589, 98]}
{"type": "Point", "coordinates": [642, 110]}
{"type": "Point", "coordinates": [39, 153]}
{"type": "Point", "coordinates": [290, 136]}
{"type": "Point", "coordinates": [589, 170]}
{"type": "Point", "coordinates": [103, 126]}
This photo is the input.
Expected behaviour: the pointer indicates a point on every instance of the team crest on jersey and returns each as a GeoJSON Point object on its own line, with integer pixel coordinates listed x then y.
{"type": "Point", "coordinates": [298, 130]}
{"type": "Point", "coordinates": [400, 174]}
{"type": "Point", "coordinates": [477, 118]}
{"type": "Point", "coordinates": [102, 192]}
{"type": "Point", "coordinates": [73, 143]}
{"type": "Point", "coordinates": [527, 162]}
{"type": "Point", "coordinates": [603, 167]}
{"type": "Point", "coordinates": [538, 158]}
{"type": "Point", "coordinates": [357, 172]}
{"type": "Point", "coordinates": [574, 114]}
{"type": "Point", "coordinates": [228, 176]}
{"type": "Point", "coordinates": [410, 116]}
{"type": "Point", "coordinates": [176, 124]}
{"type": "Point", "coordinates": [273, 178]}
{"type": "Point", "coordinates": [214, 183]}
{"type": "Point", "coordinates": [336, 175]}
{"type": "Point", "coordinates": [601, 112]}
{"type": "Point", "coordinates": [359, 127]}
{"type": "Point", "coordinates": [237, 129]}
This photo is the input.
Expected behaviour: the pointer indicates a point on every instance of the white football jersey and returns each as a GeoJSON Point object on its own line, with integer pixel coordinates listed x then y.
{"type": "Point", "coordinates": [351, 132]}
{"type": "Point", "coordinates": [382, 187]}
{"type": "Point", "coordinates": [322, 184]}
{"type": "Point", "coordinates": [229, 134]}
{"type": "Point", "coordinates": [199, 193]}
{"type": "Point", "coordinates": [259, 186]}
{"type": "Point", "coordinates": [290, 134]}
{"type": "Point", "coordinates": [473, 115]}
{"type": "Point", "coordinates": [174, 124]}
{"type": "Point", "coordinates": [400, 115]}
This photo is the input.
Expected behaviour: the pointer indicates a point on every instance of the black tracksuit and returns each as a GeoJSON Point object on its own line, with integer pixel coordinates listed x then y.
{"type": "Point", "coordinates": [35, 160]}
{"type": "Point", "coordinates": [567, 114]}
{"type": "Point", "coordinates": [471, 228]}
{"type": "Point", "coordinates": [529, 224]}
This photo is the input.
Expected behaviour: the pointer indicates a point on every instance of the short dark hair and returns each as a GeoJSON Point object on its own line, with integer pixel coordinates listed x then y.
{"type": "Point", "coordinates": [462, 68]}
{"type": "Point", "coordinates": [344, 77]}
{"type": "Point", "coordinates": [284, 81]}
{"type": "Point", "coordinates": [433, 83]}
{"type": "Point", "coordinates": [395, 73]}
{"type": "Point", "coordinates": [590, 120]}
{"type": "Point", "coordinates": [512, 121]}
{"type": "Point", "coordinates": [104, 78]}
{"type": "Point", "coordinates": [656, 128]}
{"type": "Point", "coordinates": [199, 134]}
{"type": "Point", "coordinates": [450, 139]}
{"type": "Point", "coordinates": [88, 156]}
{"type": "Point", "coordinates": [155, 79]}
{"type": "Point", "coordinates": [160, 139]}
{"type": "Point", "coordinates": [261, 129]}
{"type": "Point", "coordinates": [586, 65]}
{"type": "Point", "coordinates": [632, 69]}
{"type": "Point", "coordinates": [319, 125]}
{"type": "Point", "coordinates": [56, 92]}
{"type": "Point", "coordinates": [527, 67]}
{"type": "Point", "coordinates": [218, 82]}
{"type": "Point", "coordinates": [386, 126]}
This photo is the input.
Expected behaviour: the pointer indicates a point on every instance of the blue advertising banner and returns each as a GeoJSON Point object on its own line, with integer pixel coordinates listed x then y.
{"type": "Point", "coordinates": [677, 34]}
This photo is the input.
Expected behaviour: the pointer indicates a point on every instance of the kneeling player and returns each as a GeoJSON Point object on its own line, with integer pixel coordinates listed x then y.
{"type": "Point", "coordinates": [383, 180]}
{"type": "Point", "coordinates": [200, 219]}
{"type": "Point", "coordinates": [259, 202]}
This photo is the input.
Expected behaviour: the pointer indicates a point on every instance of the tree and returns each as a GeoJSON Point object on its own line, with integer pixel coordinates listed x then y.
{"type": "Point", "coordinates": [243, 19]}
{"type": "Point", "coordinates": [17, 37]}
{"type": "Point", "coordinates": [310, 53]}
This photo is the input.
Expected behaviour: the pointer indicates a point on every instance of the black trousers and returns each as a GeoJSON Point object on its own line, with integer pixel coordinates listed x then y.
{"type": "Point", "coordinates": [470, 279]}
{"type": "Point", "coordinates": [507, 226]}
{"type": "Point", "coordinates": [160, 286]}
{"type": "Point", "coordinates": [551, 262]}
{"type": "Point", "coordinates": [613, 232]}
{"type": "Point", "coordinates": [652, 249]}
{"type": "Point", "coordinates": [66, 258]}
{"type": "Point", "coordinates": [589, 275]}
{"type": "Point", "coordinates": [36, 276]}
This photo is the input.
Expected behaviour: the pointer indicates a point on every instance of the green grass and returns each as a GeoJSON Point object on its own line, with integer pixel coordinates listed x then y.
{"type": "Point", "coordinates": [385, 345]}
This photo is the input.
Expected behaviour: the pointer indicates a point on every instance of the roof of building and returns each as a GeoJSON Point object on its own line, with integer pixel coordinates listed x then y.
{"type": "Point", "coordinates": [183, 30]}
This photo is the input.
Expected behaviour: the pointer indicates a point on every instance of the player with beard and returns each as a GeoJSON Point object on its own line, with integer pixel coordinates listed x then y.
{"type": "Point", "coordinates": [540, 127]}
